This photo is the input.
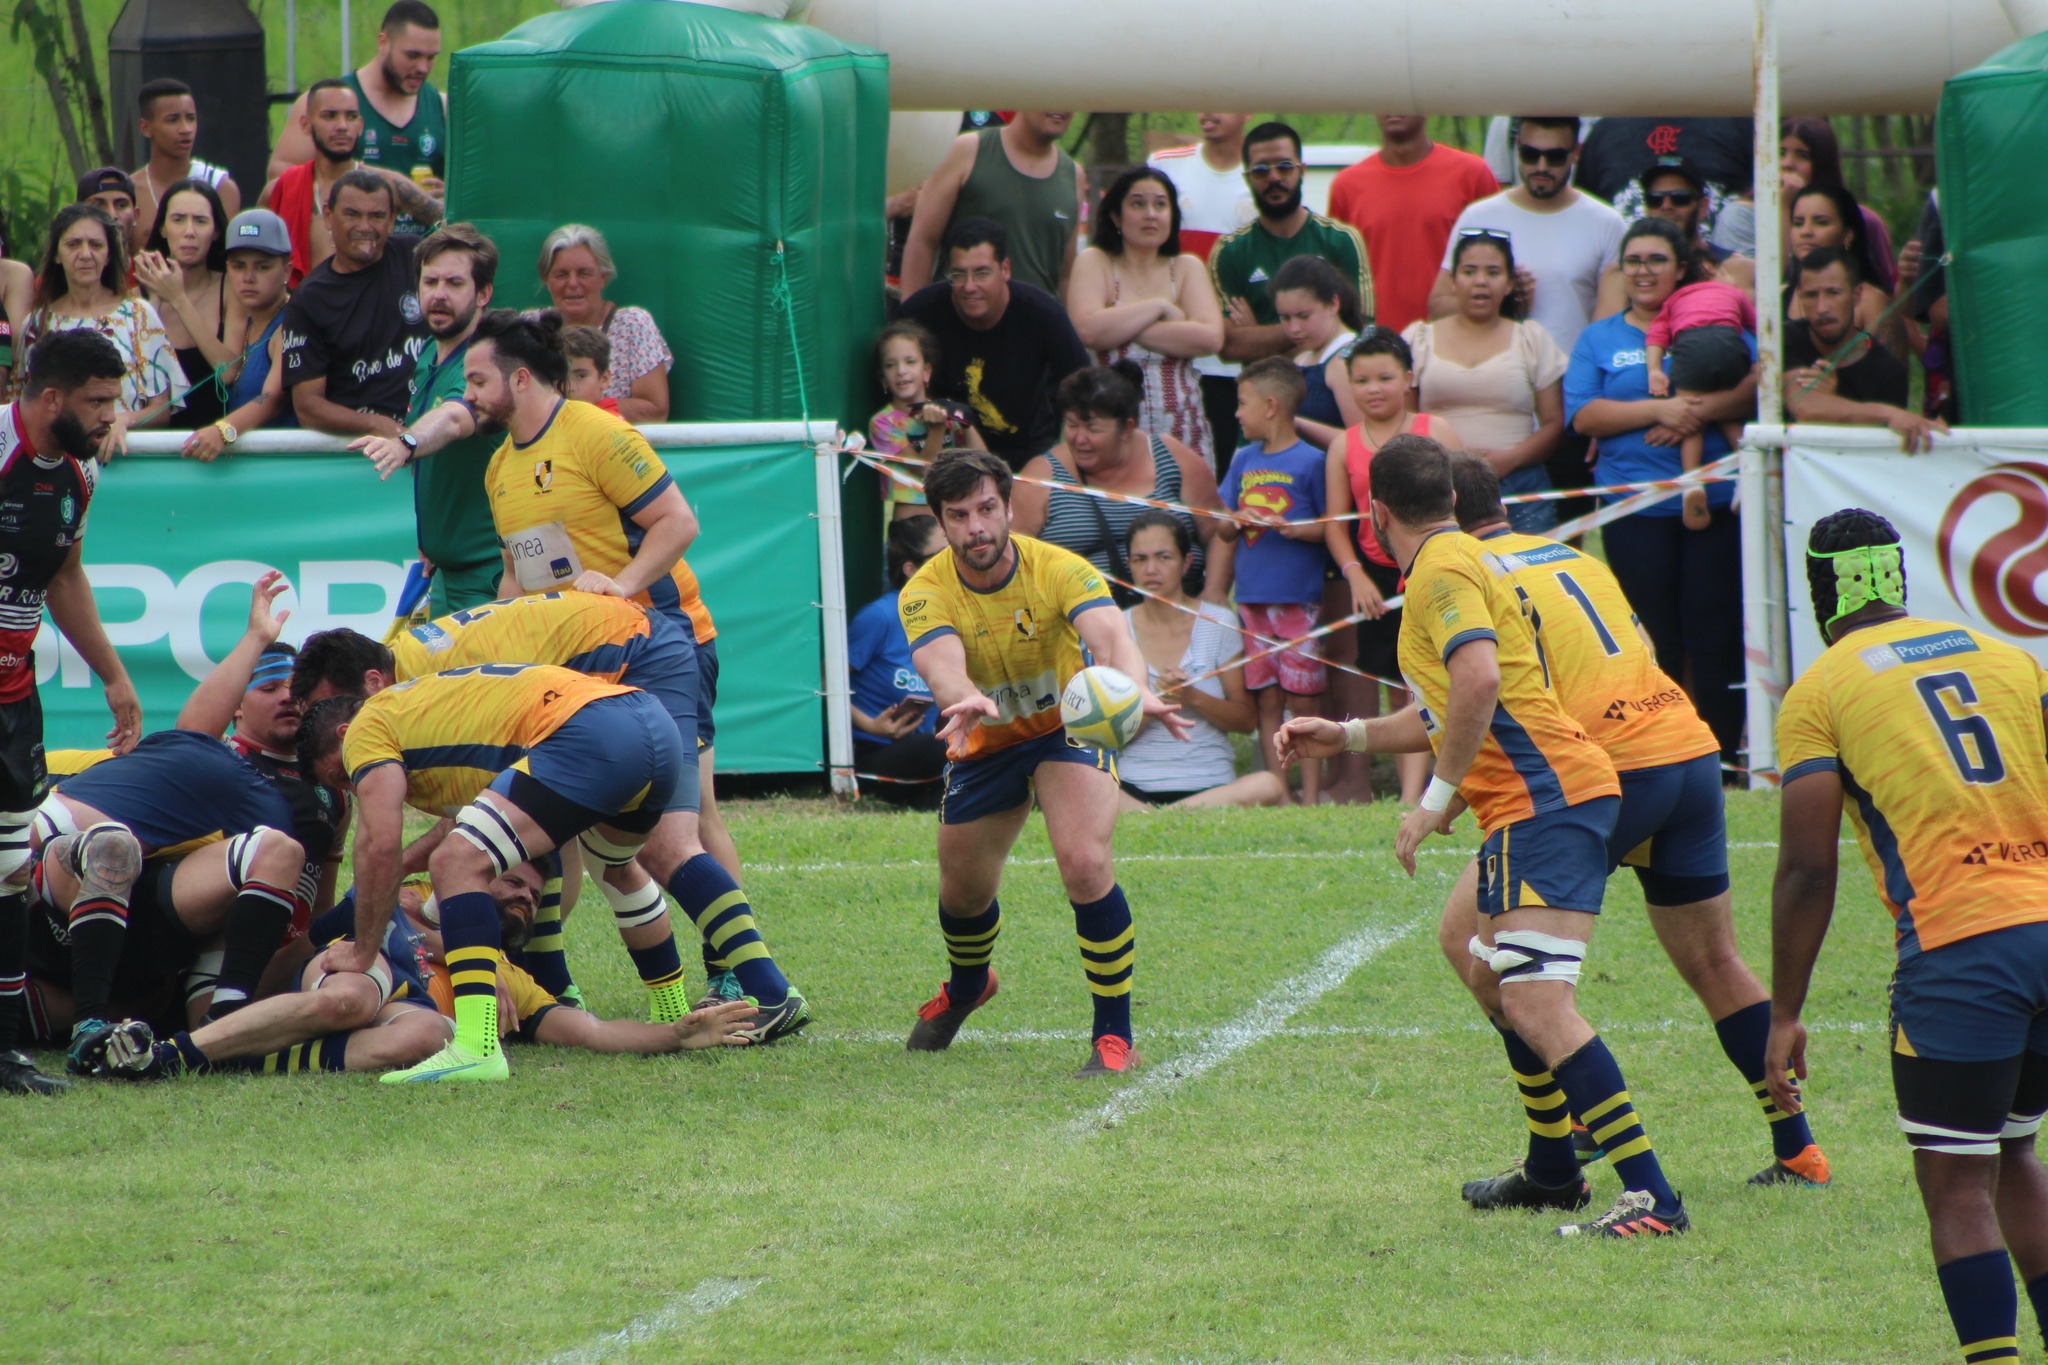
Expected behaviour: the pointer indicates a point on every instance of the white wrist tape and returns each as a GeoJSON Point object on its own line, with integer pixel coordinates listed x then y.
{"type": "Point", "coordinates": [1354, 737]}
{"type": "Point", "coordinates": [1438, 797]}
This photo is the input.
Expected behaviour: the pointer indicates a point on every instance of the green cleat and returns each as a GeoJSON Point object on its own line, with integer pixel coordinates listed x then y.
{"type": "Point", "coordinates": [452, 1063]}
{"type": "Point", "coordinates": [573, 997]}
{"type": "Point", "coordinates": [777, 1021]}
{"type": "Point", "coordinates": [720, 988]}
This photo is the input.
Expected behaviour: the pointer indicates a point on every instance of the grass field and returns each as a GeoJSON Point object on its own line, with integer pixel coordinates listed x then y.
{"type": "Point", "coordinates": [1280, 1183]}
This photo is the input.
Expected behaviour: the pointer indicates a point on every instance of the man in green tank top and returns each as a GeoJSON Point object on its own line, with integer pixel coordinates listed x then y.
{"type": "Point", "coordinates": [1016, 175]}
{"type": "Point", "coordinates": [405, 118]}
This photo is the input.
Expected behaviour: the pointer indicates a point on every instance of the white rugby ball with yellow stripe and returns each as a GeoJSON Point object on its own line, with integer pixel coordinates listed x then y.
{"type": "Point", "coordinates": [1102, 708]}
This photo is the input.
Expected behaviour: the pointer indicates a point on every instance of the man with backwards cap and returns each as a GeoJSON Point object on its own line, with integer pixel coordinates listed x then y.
{"type": "Point", "coordinates": [1933, 736]}
{"type": "Point", "coordinates": [109, 188]}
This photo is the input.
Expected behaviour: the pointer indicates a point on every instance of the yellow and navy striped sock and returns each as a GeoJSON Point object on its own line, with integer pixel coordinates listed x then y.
{"type": "Point", "coordinates": [469, 933]}
{"type": "Point", "coordinates": [543, 956]}
{"type": "Point", "coordinates": [661, 971]}
{"type": "Point", "coordinates": [1983, 1305]}
{"type": "Point", "coordinates": [327, 1053]}
{"type": "Point", "coordinates": [719, 909]}
{"type": "Point", "coordinates": [1745, 1035]}
{"type": "Point", "coordinates": [1551, 1160]}
{"type": "Point", "coordinates": [1592, 1083]}
{"type": "Point", "coordinates": [970, 943]}
{"type": "Point", "coordinates": [1109, 946]}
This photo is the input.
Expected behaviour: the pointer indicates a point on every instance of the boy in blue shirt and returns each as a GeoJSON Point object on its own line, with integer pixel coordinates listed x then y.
{"type": "Point", "coordinates": [1277, 481]}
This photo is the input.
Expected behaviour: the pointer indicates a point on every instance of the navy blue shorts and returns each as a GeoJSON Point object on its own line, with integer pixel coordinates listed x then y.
{"type": "Point", "coordinates": [1979, 999]}
{"type": "Point", "coordinates": [616, 756]}
{"type": "Point", "coordinates": [1556, 860]}
{"type": "Point", "coordinates": [994, 783]}
{"type": "Point", "coordinates": [179, 785]}
{"type": "Point", "coordinates": [663, 664]}
{"type": "Point", "coordinates": [707, 693]}
{"type": "Point", "coordinates": [1673, 832]}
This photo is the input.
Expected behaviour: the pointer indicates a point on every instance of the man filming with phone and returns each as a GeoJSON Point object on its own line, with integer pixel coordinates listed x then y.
{"type": "Point", "coordinates": [894, 750]}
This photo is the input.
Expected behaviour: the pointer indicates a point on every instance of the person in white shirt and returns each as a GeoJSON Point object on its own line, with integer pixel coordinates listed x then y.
{"type": "Point", "coordinates": [1208, 179]}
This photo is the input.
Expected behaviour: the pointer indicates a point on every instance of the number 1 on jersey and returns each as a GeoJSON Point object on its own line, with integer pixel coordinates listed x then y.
{"type": "Point", "coordinates": [1578, 595]}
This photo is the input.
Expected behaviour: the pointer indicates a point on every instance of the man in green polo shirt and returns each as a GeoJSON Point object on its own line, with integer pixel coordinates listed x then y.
{"type": "Point", "coordinates": [456, 536]}
{"type": "Point", "coordinates": [1244, 262]}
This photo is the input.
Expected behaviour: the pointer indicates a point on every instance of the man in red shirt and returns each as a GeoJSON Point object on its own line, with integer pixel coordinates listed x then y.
{"type": "Point", "coordinates": [1403, 199]}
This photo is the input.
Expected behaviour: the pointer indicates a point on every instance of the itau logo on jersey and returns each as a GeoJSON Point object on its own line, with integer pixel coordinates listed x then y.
{"type": "Point", "coordinates": [1999, 577]}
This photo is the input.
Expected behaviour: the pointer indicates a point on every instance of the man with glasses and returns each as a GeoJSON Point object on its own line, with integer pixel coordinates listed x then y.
{"type": "Point", "coordinates": [1244, 263]}
{"type": "Point", "coordinates": [1564, 240]}
{"type": "Point", "coordinates": [1004, 345]}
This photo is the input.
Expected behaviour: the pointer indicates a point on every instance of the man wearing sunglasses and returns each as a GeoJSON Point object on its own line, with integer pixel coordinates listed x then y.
{"type": "Point", "coordinates": [1676, 190]}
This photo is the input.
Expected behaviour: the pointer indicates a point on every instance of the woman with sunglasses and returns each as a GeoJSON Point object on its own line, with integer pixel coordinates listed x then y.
{"type": "Point", "coordinates": [1685, 584]}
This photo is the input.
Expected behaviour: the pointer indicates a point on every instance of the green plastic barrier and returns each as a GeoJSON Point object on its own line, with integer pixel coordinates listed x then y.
{"type": "Point", "coordinates": [1994, 215]}
{"type": "Point", "coordinates": [172, 546]}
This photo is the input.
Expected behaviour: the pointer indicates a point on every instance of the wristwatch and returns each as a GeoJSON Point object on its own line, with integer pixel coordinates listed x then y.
{"type": "Point", "coordinates": [411, 444]}
{"type": "Point", "coordinates": [228, 434]}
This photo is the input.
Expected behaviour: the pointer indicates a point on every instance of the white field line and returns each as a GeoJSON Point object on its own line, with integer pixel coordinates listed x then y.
{"type": "Point", "coordinates": [1266, 1016]}
{"type": "Point", "coordinates": [1242, 856]}
{"type": "Point", "coordinates": [708, 1297]}
{"type": "Point", "coordinates": [1000, 1037]}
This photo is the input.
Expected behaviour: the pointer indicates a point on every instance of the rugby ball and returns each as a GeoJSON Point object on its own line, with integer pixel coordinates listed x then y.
{"type": "Point", "coordinates": [1101, 708]}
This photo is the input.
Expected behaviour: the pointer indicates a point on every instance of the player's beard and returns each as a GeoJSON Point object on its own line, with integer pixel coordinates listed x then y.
{"type": "Point", "coordinates": [982, 558]}
{"type": "Point", "coordinates": [73, 438]}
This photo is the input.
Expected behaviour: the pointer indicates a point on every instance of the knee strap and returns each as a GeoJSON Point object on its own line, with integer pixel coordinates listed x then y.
{"type": "Point", "coordinates": [607, 852]}
{"type": "Point", "coordinates": [202, 975]}
{"type": "Point", "coordinates": [1478, 949]}
{"type": "Point", "coordinates": [487, 828]}
{"type": "Point", "coordinates": [16, 832]}
{"type": "Point", "coordinates": [633, 908]}
{"type": "Point", "coordinates": [242, 852]}
{"type": "Point", "coordinates": [1526, 955]}
{"type": "Point", "coordinates": [2020, 1126]}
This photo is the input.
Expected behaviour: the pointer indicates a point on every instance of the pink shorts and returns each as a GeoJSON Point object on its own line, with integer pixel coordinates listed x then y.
{"type": "Point", "coordinates": [1299, 668]}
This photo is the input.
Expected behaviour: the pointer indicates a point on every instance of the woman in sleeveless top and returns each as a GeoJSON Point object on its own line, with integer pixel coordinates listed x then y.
{"type": "Point", "coordinates": [1381, 372]}
{"type": "Point", "coordinates": [256, 276]}
{"type": "Point", "coordinates": [1104, 447]}
{"type": "Point", "coordinates": [1133, 296]}
{"type": "Point", "coordinates": [1499, 378]}
{"type": "Point", "coordinates": [184, 268]}
{"type": "Point", "coordinates": [1319, 317]}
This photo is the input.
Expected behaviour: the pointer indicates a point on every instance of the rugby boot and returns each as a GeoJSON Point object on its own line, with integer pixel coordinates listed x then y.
{"type": "Point", "coordinates": [720, 988]}
{"type": "Point", "coordinates": [1809, 1170]}
{"type": "Point", "coordinates": [19, 1076]}
{"type": "Point", "coordinates": [1634, 1215]}
{"type": "Point", "coordinates": [774, 1022]}
{"type": "Point", "coordinates": [938, 1019]}
{"type": "Point", "coordinates": [87, 1055]}
{"type": "Point", "coordinates": [1111, 1056]}
{"type": "Point", "coordinates": [452, 1063]}
{"type": "Point", "coordinates": [1514, 1189]}
{"type": "Point", "coordinates": [1587, 1150]}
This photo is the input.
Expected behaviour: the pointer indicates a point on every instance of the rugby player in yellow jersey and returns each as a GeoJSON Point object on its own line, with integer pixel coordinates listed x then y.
{"type": "Point", "coordinates": [617, 641]}
{"type": "Point", "coordinates": [1546, 796]}
{"type": "Point", "coordinates": [997, 624]}
{"type": "Point", "coordinates": [525, 758]}
{"type": "Point", "coordinates": [1932, 735]}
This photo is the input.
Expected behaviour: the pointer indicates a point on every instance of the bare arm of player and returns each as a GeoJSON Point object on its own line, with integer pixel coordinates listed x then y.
{"type": "Point", "coordinates": [1473, 691]}
{"type": "Point", "coordinates": [437, 429]}
{"type": "Point", "coordinates": [211, 707]}
{"type": "Point", "coordinates": [316, 411]}
{"type": "Point", "coordinates": [1110, 641]}
{"type": "Point", "coordinates": [670, 526]}
{"type": "Point", "coordinates": [77, 617]}
{"type": "Point", "coordinates": [380, 829]}
{"type": "Point", "coordinates": [1312, 737]}
{"type": "Point", "coordinates": [934, 211]}
{"type": "Point", "coordinates": [721, 1025]}
{"type": "Point", "coordinates": [1802, 904]}
{"type": "Point", "coordinates": [942, 663]}
{"type": "Point", "coordinates": [419, 850]}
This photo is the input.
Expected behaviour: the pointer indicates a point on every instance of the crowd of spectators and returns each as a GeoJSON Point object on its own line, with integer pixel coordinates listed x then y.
{"type": "Point", "coordinates": [1517, 315]}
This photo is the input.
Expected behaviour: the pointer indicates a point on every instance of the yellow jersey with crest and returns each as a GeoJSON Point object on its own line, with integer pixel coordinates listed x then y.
{"type": "Point", "coordinates": [1535, 757]}
{"type": "Point", "coordinates": [588, 632]}
{"type": "Point", "coordinates": [1019, 636]}
{"type": "Point", "coordinates": [1937, 735]}
{"type": "Point", "coordinates": [564, 502]}
{"type": "Point", "coordinates": [455, 731]}
{"type": "Point", "coordinates": [1601, 667]}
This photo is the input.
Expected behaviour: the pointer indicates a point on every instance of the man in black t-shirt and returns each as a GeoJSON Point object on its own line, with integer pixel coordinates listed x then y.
{"type": "Point", "coordinates": [1004, 346]}
{"type": "Point", "coordinates": [354, 327]}
{"type": "Point", "coordinates": [1865, 385]}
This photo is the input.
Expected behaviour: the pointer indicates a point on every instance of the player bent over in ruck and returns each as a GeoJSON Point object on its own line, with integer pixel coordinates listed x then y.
{"type": "Point", "coordinates": [997, 624]}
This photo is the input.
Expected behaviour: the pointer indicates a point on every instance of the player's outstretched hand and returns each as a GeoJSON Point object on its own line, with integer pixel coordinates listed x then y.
{"type": "Point", "coordinates": [1167, 714]}
{"type": "Point", "coordinates": [717, 1026]}
{"type": "Point", "coordinates": [1785, 1063]}
{"type": "Point", "coordinates": [601, 585]}
{"type": "Point", "coordinates": [1416, 825]}
{"type": "Point", "coordinates": [961, 718]}
{"type": "Point", "coordinates": [127, 710]}
{"type": "Point", "coordinates": [265, 623]}
{"type": "Point", "coordinates": [388, 453]}
{"type": "Point", "coordinates": [347, 955]}
{"type": "Point", "coordinates": [1308, 737]}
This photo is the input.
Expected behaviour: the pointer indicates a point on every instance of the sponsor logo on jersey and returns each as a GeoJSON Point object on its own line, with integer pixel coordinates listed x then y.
{"type": "Point", "coordinates": [2000, 851]}
{"type": "Point", "coordinates": [409, 308]}
{"type": "Point", "coordinates": [1026, 625]}
{"type": "Point", "coordinates": [543, 474]}
{"type": "Point", "coordinates": [8, 564]}
{"type": "Point", "coordinates": [427, 144]}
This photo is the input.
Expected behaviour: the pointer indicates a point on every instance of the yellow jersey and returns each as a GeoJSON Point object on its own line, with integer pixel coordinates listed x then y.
{"type": "Point", "coordinates": [588, 632]}
{"type": "Point", "coordinates": [1601, 667]}
{"type": "Point", "coordinates": [72, 762]}
{"type": "Point", "coordinates": [1938, 737]}
{"type": "Point", "coordinates": [530, 999]}
{"type": "Point", "coordinates": [1535, 757]}
{"type": "Point", "coordinates": [564, 502]}
{"type": "Point", "coordinates": [453, 732]}
{"type": "Point", "coordinates": [1019, 637]}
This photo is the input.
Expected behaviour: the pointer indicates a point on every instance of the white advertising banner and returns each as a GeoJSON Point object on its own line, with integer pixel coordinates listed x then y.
{"type": "Point", "coordinates": [1973, 515]}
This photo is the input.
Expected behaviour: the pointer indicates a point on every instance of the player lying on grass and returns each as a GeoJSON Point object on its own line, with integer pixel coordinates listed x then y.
{"type": "Point", "coordinates": [614, 640]}
{"type": "Point", "coordinates": [1932, 735]}
{"type": "Point", "coordinates": [401, 1011]}
{"type": "Point", "coordinates": [1671, 830]}
{"type": "Point", "coordinates": [996, 625]}
{"type": "Point", "coordinates": [1546, 796]}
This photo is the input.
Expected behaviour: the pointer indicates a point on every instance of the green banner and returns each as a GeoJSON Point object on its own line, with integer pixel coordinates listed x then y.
{"type": "Point", "coordinates": [172, 546]}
